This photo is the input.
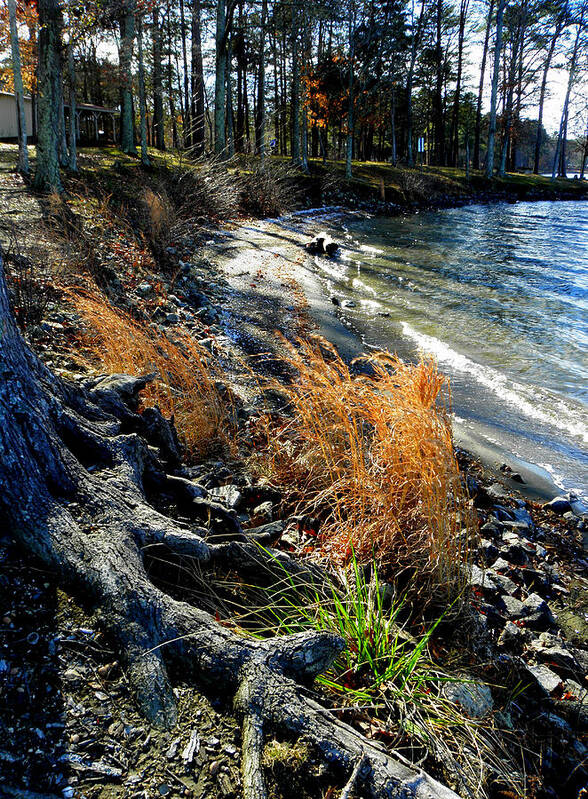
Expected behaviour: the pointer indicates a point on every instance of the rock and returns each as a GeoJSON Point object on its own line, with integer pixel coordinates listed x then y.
{"type": "Point", "coordinates": [474, 698]}
{"type": "Point", "coordinates": [263, 514]}
{"type": "Point", "coordinates": [144, 289]}
{"type": "Point", "coordinates": [267, 534]}
{"type": "Point", "coordinates": [172, 750]}
{"type": "Point", "coordinates": [322, 244]}
{"type": "Point", "coordinates": [502, 565]}
{"type": "Point", "coordinates": [513, 638]}
{"type": "Point", "coordinates": [555, 722]}
{"type": "Point", "coordinates": [521, 514]}
{"type": "Point", "coordinates": [503, 514]}
{"type": "Point", "coordinates": [478, 578]}
{"type": "Point", "coordinates": [488, 549]}
{"type": "Point", "coordinates": [229, 495]}
{"type": "Point", "coordinates": [505, 584]}
{"type": "Point", "coordinates": [558, 505]}
{"type": "Point", "coordinates": [492, 528]}
{"type": "Point", "coordinates": [510, 607]}
{"type": "Point", "coordinates": [548, 681]}
{"type": "Point", "coordinates": [497, 491]}
{"type": "Point", "coordinates": [539, 615]}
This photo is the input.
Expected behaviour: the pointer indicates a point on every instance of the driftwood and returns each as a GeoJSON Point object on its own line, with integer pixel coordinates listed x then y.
{"type": "Point", "coordinates": [74, 465]}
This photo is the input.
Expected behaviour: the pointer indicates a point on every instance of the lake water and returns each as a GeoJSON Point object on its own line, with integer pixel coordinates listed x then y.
{"type": "Point", "coordinates": [499, 295]}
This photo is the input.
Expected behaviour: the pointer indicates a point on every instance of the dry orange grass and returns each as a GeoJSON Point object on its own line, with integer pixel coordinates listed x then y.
{"type": "Point", "coordinates": [185, 382]}
{"type": "Point", "coordinates": [373, 456]}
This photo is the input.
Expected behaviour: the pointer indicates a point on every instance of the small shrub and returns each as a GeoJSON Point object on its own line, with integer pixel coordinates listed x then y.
{"type": "Point", "coordinates": [269, 190]}
{"type": "Point", "coordinates": [371, 454]}
{"type": "Point", "coordinates": [28, 278]}
{"type": "Point", "coordinates": [203, 192]}
{"type": "Point", "coordinates": [185, 386]}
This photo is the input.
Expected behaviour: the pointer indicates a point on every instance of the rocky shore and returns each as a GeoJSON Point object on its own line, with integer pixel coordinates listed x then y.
{"type": "Point", "coordinates": [68, 724]}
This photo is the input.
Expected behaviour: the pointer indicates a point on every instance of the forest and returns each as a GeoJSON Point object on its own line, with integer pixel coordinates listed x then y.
{"type": "Point", "coordinates": [440, 83]}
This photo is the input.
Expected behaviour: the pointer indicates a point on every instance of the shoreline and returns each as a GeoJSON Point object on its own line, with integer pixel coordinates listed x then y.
{"type": "Point", "coordinates": [331, 323]}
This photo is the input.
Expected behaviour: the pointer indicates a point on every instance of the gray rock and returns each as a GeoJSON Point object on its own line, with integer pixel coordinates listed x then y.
{"type": "Point", "coordinates": [559, 657]}
{"type": "Point", "coordinates": [555, 722]}
{"type": "Point", "coordinates": [558, 505]}
{"type": "Point", "coordinates": [497, 491]}
{"type": "Point", "coordinates": [548, 681]}
{"type": "Point", "coordinates": [474, 698]}
{"type": "Point", "coordinates": [263, 513]}
{"type": "Point", "coordinates": [229, 495]}
{"type": "Point", "coordinates": [513, 638]}
{"type": "Point", "coordinates": [492, 528]}
{"type": "Point", "coordinates": [522, 515]}
{"type": "Point", "coordinates": [505, 584]}
{"type": "Point", "coordinates": [539, 615]}
{"type": "Point", "coordinates": [510, 607]}
{"type": "Point", "coordinates": [488, 549]}
{"type": "Point", "coordinates": [503, 514]}
{"type": "Point", "coordinates": [502, 565]}
{"type": "Point", "coordinates": [479, 578]}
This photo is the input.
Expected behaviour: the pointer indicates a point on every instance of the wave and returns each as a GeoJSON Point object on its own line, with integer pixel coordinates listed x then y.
{"type": "Point", "coordinates": [534, 402]}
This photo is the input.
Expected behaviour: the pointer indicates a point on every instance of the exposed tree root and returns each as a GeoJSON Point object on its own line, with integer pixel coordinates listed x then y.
{"type": "Point", "coordinates": [73, 468]}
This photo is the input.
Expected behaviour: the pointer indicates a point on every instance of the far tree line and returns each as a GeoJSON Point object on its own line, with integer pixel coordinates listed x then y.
{"type": "Point", "coordinates": [397, 81]}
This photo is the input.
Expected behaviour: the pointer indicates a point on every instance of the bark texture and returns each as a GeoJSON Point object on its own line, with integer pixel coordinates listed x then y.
{"type": "Point", "coordinates": [47, 177]}
{"type": "Point", "coordinates": [74, 463]}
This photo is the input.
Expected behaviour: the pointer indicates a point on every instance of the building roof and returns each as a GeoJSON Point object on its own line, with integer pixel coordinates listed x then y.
{"type": "Point", "coordinates": [80, 106]}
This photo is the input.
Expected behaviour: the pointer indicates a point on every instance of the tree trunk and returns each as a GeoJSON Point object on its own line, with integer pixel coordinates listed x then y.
{"type": "Point", "coordinates": [494, 97]}
{"type": "Point", "coordinates": [187, 121]}
{"type": "Point", "coordinates": [463, 11]}
{"type": "Point", "coordinates": [510, 87]}
{"type": "Point", "coordinates": [170, 86]}
{"type": "Point", "coordinates": [197, 111]}
{"type": "Point", "coordinates": [220, 143]}
{"type": "Point", "coordinates": [23, 153]}
{"type": "Point", "coordinates": [477, 130]}
{"type": "Point", "coordinates": [295, 110]}
{"type": "Point", "coordinates": [559, 160]}
{"type": "Point", "coordinates": [73, 113]}
{"type": "Point", "coordinates": [127, 38]}
{"type": "Point", "coordinates": [94, 530]}
{"type": "Point", "coordinates": [230, 132]}
{"type": "Point", "coordinates": [260, 115]}
{"type": "Point", "coordinates": [546, 68]}
{"type": "Point", "coordinates": [394, 157]}
{"type": "Point", "coordinates": [584, 156]}
{"type": "Point", "coordinates": [158, 122]}
{"type": "Point", "coordinates": [438, 121]}
{"type": "Point", "coordinates": [142, 102]}
{"type": "Point", "coordinates": [47, 176]}
{"type": "Point", "coordinates": [409, 81]}
{"type": "Point", "coordinates": [350, 98]}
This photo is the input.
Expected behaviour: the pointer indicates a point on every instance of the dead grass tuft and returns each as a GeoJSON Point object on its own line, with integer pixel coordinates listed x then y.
{"type": "Point", "coordinates": [371, 455]}
{"type": "Point", "coordinates": [185, 386]}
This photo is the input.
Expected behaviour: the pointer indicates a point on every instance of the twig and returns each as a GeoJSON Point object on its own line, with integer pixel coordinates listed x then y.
{"type": "Point", "coordinates": [346, 792]}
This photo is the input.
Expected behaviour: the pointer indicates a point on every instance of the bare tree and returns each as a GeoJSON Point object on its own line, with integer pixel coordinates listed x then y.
{"type": "Point", "coordinates": [23, 153]}
{"type": "Point", "coordinates": [494, 97]}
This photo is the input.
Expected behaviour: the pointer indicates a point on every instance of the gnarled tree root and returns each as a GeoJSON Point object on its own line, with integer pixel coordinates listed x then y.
{"type": "Point", "coordinates": [72, 468]}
